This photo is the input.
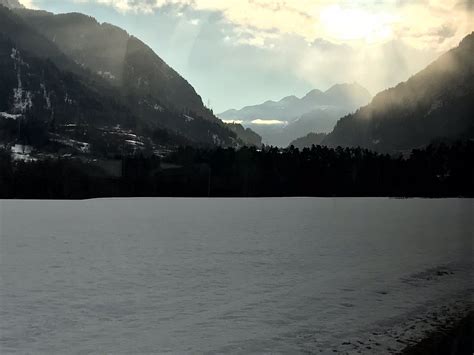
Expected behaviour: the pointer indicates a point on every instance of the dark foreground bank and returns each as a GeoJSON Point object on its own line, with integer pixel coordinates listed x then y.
{"type": "Point", "coordinates": [456, 340]}
{"type": "Point", "coordinates": [439, 170]}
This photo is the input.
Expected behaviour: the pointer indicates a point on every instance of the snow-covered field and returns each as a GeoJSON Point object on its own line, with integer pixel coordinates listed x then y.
{"type": "Point", "coordinates": [137, 276]}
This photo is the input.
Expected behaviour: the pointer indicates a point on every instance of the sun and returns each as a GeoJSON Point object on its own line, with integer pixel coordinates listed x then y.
{"type": "Point", "coordinates": [343, 24]}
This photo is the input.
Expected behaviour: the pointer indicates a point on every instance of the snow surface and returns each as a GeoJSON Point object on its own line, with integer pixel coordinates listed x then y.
{"type": "Point", "coordinates": [157, 107]}
{"type": "Point", "coordinates": [22, 99]}
{"type": "Point", "coordinates": [22, 149]}
{"type": "Point", "coordinates": [68, 100]}
{"type": "Point", "coordinates": [83, 147]}
{"type": "Point", "coordinates": [107, 75]}
{"type": "Point", "coordinates": [188, 118]}
{"type": "Point", "coordinates": [134, 143]}
{"type": "Point", "coordinates": [12, 116]}
{"type": "Point", "coordinates": [302, 275]}
{"type": "Point", "coordinates": [22, 152]}
{"type": "Point", "coordinates": [216, 139]}
{"type": "Point", "coordinates": [46, 96]}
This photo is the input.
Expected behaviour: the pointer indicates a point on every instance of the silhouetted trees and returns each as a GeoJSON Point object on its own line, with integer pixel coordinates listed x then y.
{"type": "Point", "coordinates": [440, 170]}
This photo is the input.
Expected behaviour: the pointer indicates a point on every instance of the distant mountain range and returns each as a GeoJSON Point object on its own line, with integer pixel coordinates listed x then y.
{"type": "Point", "coordinates": [436, 103]}
{"type": "Point", "coordinates": [66, 78]}
{"type": "Point", "coordinates": [294, 117]}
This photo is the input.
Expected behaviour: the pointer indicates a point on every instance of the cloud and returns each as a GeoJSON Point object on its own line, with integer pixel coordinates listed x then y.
{"type": "Point", "coordinates": [339, 21]}
{"type": "Point", "coordinates": [243, 52]}
{"type": "Point", "coordinates": [269, 122]}
{"type": "Point", "coordinates": [445, 32]}
{"type": "Point", "coordinates": [28, 4]}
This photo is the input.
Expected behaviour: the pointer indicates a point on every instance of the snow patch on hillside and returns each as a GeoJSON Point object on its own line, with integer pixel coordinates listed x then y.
{"type": "Point", "coordinates": [22, 99]}
{"type": "Point", "coordinates": [21, 152]}
{"type": "Point", "coordinates": [216, 140]}
{"type": "Point", "coordinates": [106, 75]}
{"type": "Point", "coordinates": [134, 143]}
{"type": "Point", "coordinates": [46, 96]}
{"type": "Point", "coordinates": [83, 147]}
{"type": "Point", "coordinates": [9, 115]}
{"type": "Point", "coordinates": [68, 99]}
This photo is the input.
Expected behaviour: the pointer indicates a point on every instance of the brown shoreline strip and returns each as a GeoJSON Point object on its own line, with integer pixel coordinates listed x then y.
{"type": "Point", "coordinates": [457, 340]}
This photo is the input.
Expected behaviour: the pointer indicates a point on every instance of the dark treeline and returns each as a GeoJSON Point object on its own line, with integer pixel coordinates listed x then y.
{"type": "Point", "coordinates": [439, 170]}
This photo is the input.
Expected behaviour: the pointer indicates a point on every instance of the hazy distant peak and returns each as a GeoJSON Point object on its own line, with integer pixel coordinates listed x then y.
{"type": "Point", "coordinates": [289, 99]}
{"type": "Point", "coordinates": [12, 4]}
{"type": "Point", "coordinates": [313, 94]}
{"type": "Point", "coordinates": [317, 111]}
{"type": "Point", "coordinates": [345, 87]}
{"type": "Point", "coordinates": [269, 102]}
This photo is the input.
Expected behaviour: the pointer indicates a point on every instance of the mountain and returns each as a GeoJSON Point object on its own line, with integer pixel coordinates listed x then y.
{"type": "Point", "coordinates": [246, 135]}
{"type": "Point", "coordinates": [437, 102]}
{"type": "Point", "coordinates": [309, 140]}
{"type": "Point", "coordinates": [123, 60]}
{"type": "Point", "coordinates": [43, 106]}
{"type": "Point", "coordinates": [145, 97]}
{"type": "Point", "coordinates": [145, 82]}
{"type": "Point", "coordinates": [316, 111]}
{"type": "Point", "coordinates": [342, 96]}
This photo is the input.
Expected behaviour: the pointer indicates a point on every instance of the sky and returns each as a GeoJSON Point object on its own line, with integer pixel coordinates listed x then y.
{"type": "Point", "coordinates": [243, 52]}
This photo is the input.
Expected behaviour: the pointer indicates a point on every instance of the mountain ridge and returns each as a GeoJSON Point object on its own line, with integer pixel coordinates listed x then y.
{"type": "Point", "coordinates": [313, 95]}
{"type": "Point", "coordinates": [113, 53]}
{"type": "Point", "coordinates": [316, 111]}
{"type": "Point", "coordinates": [182, 123]}
{"type": "Point", "coordinates": [433, 103]}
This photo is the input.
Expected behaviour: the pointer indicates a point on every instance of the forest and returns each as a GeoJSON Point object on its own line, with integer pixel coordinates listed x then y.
{"type": "Point", "coordinates": [439, 170]}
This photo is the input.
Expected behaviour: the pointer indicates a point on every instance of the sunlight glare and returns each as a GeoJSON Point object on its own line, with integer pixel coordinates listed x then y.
{"type": "Point", "coordinates": [355, 24]}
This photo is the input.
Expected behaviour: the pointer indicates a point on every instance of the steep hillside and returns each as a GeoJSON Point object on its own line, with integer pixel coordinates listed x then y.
{"type": "Point", "coordinates": [121, 59]}
{"type": "Point", "coordinates": [309, 140]}
{"type": "Point", "coordinates": [43, 106]}
{"type": "Point", "coordinates": [437, 102]}
{"type": "Point", "coordinates": [246, 135]}
{"type": "Point", "coordinates": [167, 123]}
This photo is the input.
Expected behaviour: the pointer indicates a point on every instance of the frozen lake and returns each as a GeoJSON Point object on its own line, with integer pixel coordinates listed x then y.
{"type": "Point", "coordinates": [143, 276]}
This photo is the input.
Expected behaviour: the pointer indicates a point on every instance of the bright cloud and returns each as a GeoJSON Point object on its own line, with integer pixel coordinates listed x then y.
{"type": "Point", "coordinates": [269, 122]}
{"type": "Point", "coordinates": [28, 4]}
{"type": "Point", "coordinates": [356, 24]}
{"type": "Point", "coordinates": [420, 23]}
